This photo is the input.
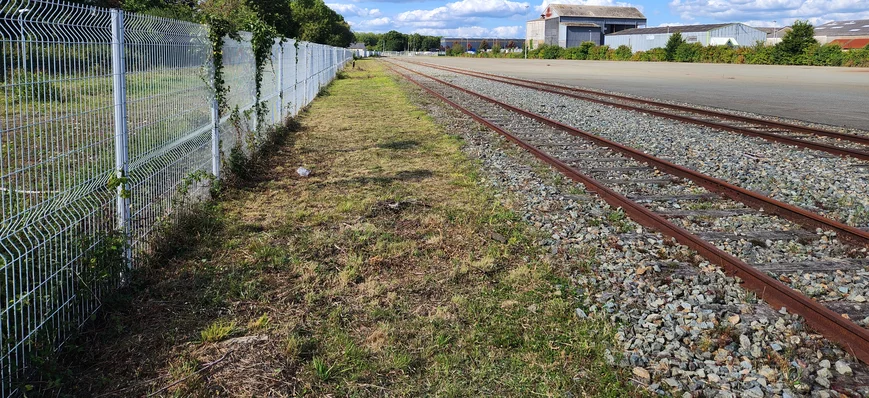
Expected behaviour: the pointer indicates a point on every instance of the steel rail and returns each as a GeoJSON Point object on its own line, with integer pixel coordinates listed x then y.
{"type": "Point", "coordinates": [832, 149]}
{"type": "Point", "coordinates": [752, 199]}
{"type": "Point", "coordinates": [853, 338]}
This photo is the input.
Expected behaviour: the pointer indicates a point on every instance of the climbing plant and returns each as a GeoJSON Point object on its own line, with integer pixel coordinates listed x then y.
{"type": "Point", "coordinates": [262, 40]}
{"type": "Point", "coordinates": [218, 30]}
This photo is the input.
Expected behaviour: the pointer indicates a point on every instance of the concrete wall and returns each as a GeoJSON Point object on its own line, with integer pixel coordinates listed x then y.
{"type": "Point", "coordinates": [535, 33]}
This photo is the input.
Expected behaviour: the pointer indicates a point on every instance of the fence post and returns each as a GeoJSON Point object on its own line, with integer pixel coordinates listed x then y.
{"type": "Point", "coordinates": [122, 150]}
{"type": "Point", "coordinates": [280, 88]}
{"type": "Point", "coordinates": [215, 137]}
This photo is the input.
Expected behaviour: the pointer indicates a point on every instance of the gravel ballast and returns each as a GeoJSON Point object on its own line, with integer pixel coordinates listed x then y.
{"type": "Point", "coordinates": [832, 186]}
{"type": "Point", "coordinates": [686, 328]}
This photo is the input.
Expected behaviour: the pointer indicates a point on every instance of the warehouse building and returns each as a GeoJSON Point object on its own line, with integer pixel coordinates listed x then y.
{"type": "Point", "coordinates": [568, 25]}
{"type": "Point", "coordinates": [473, 44]}
{"type": "Point", "coordinates": [847, 34]}
{"type": "Point", "coordinates": [729, 34]}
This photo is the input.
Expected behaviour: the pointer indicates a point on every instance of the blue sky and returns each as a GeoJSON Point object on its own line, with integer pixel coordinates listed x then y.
{"type": "Point", "coordinates": [506, 19]}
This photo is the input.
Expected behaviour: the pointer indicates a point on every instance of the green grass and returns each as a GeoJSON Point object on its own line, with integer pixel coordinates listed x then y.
{"type": "Point", "coordinates": [376, 275]}
{"type": "Point", "coordinates": [217, 331]}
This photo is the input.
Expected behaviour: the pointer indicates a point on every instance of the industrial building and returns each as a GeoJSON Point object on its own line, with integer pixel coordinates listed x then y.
{"type": "Point", "coordinates": [774, 34]}
{"type": "Point", "coordinates": [473, 44]}
{"type": "Point", "coordinates": [569, 25]}
{"type": "Point", "coordinates": [535, 32]}
{"type": "Point", "coordinates": [730, 34]}
{"type": "Point", "coordinates": [847, 34]}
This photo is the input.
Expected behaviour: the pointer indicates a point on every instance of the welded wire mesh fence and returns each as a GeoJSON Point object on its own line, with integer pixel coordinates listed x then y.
{"type": "Point", "coordinates": [109, 125]}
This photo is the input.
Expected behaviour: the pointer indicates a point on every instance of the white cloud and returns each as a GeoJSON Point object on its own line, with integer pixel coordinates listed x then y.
{"type": "Point", "coordinates": [500, 32]}
{"type": "Point", "coordinates": [348, 10]}
{"type": "Point", "coordinates": [509, 32]}
{"type": "Point", "coordinates": [373, 23]}
{"type": "Point", "coordinates": [465, 9]}
{"type": "Point", "coordinates": [783, 11]}
{"type": "Point", "coordinates": [459, 18]}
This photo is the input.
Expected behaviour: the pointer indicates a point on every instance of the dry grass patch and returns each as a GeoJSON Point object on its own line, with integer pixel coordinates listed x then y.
{"type": "Point", "coordinates": [377, 275]}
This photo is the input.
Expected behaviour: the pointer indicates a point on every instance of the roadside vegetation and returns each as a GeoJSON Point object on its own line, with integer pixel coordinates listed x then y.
{"type": "Point", "coordinates": [388, 271]}
{"type": "Point", "coordinates": [798, 47]}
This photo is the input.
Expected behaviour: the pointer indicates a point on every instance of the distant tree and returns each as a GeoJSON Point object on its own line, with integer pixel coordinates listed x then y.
{"type": "Point", "coordinates": [278, 13]}
{"type": "Point", "coordinates": [673, 44]}
{"type": "Point", "coordinates": [395, 41]}
{"type": "Point", "coordinates": [431, 42]}
{"type": "Point", "coordinates": [457, 48]}
{"type": "Point", "coordinates": [496, 49]}
{"type": "Point", "coordinates": [369, 39]}
{"type": "Point", "coordinates": [176, 9]}
{"type": "Point", "coordinates": [320, 24]}
{"type": "Point", "coordinates": [511, 44]}
{"type": "Point", "coordinates": [237, 12]}
{"type": "Point", "coordinates": [797, 40]}
{"type": "Point", "coordinates": [415, 42]}
{"type": "Point", "coordinates": [484, 45]}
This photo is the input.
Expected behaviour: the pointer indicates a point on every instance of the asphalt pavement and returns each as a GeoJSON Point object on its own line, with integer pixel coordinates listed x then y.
{"type": "Point", "coordinates": [828, 95]}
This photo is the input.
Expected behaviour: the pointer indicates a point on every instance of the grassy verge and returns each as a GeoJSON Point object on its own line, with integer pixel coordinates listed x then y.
{"type": "Point", "coordinates": [388, 271]}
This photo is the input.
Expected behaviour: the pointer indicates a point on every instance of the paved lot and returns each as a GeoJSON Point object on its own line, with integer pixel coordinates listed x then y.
{"type": "Point", "coordinates": [835, 96]}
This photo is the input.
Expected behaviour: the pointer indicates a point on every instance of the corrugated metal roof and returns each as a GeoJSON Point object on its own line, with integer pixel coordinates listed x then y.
{"type": "Point", "coordinates": [574, 10]}
{"type": "Point", "coordinates": [670, 29]}
{"type": "Point", "coordinates": [778, 31]}
{"type": "Point", "coordinates": [850, 44]}
{"type": "Point", "coordinates": [580, 24]}
{"type": "Point", "coordinates": [854, 27]}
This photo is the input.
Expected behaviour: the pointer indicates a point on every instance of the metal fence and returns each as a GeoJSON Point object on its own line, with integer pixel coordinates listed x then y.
{"type": "Point", "coordinates": [109, 122]}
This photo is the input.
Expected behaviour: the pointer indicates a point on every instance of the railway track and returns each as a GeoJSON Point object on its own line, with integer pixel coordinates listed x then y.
{"type": "Point", "coordinates": [682, 204]}
{"type": "Point", "coordinates": [832, 142]}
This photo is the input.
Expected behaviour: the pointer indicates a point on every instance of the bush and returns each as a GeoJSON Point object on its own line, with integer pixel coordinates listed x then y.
{"type": "Point", "coordinates": [829, 55]}
{"type": "Point", "coordinates": [623, 53]}
{"type": "Point", "coordinates": [759, 54]}
{"type": "Point", "coordinates": [856, 57]}
{"type": "Point", "coordinates": [549, 52]}
{"type": "Point", "coordinates": [574, 53]}
{"type": "Point", "coordinates": [719, 54]}
{"type": "Point", "coordinates": [598, 52]}
{"type": "Point", "coordinates": [585, 49]}
{"type": "Point", "coordinates": [688, 52]}
{"type": "Point", "coordinates": [653, 55]}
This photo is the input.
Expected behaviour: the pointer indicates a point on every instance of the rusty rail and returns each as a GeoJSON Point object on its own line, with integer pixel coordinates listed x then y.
{"type": "Point", "coordinates": [555, 89]}
{"type": "Point", "coordinates": [853, 338]}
